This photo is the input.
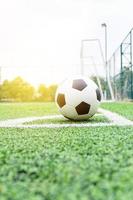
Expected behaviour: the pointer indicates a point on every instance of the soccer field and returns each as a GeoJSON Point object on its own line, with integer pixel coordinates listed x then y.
{"type": "Point", "coordinates": [85, 163]}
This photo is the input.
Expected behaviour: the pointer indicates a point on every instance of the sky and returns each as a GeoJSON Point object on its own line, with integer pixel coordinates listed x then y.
{"type": "Point", "coordinates": [40, 40]}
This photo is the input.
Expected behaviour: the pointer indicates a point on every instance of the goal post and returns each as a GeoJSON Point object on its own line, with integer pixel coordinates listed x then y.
{"type": "Point", "coordinates": [93, 63]}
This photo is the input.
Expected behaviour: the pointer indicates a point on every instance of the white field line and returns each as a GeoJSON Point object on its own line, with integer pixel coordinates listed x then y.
{"type": "Point", "coordinates": [59, 125]}
{"type": "Point", "coordinates": [19, 121]}
{"type": "Point", "coordinates": [115, 120]}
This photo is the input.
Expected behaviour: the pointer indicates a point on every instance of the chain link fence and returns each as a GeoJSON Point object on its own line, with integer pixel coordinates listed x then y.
{"type": "Point", "coordinates": [121, 70]}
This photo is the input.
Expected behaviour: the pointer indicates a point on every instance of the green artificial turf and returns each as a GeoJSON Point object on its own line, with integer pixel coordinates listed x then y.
{"type": "Point", "coordinates": [66, 164]}
{"type": "Point", "coordinates": [122, 108]}
{"type": "Point", "coordinates": [62, 120]}
{"type": "Point", "coordinates": [16, 110]}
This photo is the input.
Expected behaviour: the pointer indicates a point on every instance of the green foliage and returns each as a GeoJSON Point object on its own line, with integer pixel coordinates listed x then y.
{"type": "Point", "coordinates": [102, 81]}
{"type": "Point", "coordinates": [46, 93]}
{"type": "Point", "coordinates": [104, 85]}
{"type": "Point", "coordinates": [19, 90]}
{"type": "Point", "coordinates": [43, 92]}
{"type": "Point", "coordinates": [52, 90]}
{"type": "Point", "coordinates": [123, 84]}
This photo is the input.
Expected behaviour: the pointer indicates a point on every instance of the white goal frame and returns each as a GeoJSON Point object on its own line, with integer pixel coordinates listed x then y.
{"type": "Point", "coordinates": [95, 67]}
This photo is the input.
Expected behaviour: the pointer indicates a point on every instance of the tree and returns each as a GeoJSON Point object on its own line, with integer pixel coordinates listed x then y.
{"type": "Point", "coordinates": [21, 91]}
{"type": "Point", "coordinates": [47, 93]}
{"type": "Point", "coordinates": [52, 90]}
{"type": "Point", "coordinates": [17, 90]}
{"type": "Point", "coordinates": [43, 93]}
{"type": "Point", "coordinates": [123, 84]}
{"type": "Point", "coordinates": [0, 92]}
{"type": "Point", "coordinates": [5, 90]}
{"type": "Point", "coordinates": [102, 81]}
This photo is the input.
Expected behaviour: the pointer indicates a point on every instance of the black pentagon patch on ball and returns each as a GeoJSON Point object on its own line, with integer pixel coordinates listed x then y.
{"type": "Point", "coordinates": [98, 93]}
{"type": "Point", "coordinates": [79, 84]}
{"type": "Point", "coordinates": [61, 100]}
{"type": "Point", "coordinates": [83, 108]}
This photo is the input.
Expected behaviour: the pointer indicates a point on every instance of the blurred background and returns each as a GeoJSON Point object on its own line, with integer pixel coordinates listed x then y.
{"type": "Point", "coordinates": [41, 43]}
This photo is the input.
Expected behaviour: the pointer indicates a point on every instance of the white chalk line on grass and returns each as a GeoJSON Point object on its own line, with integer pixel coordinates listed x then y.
{"type": "Point", "coordinates": [60, 125]}
{"type": "Point", "coordinates": [114, 120]}
{"type": "Point", "coordinates": [21, 121]}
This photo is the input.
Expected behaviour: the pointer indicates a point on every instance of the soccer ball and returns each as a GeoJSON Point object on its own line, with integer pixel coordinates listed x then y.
{"type": "Point", "coordinates": [78, 98]}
